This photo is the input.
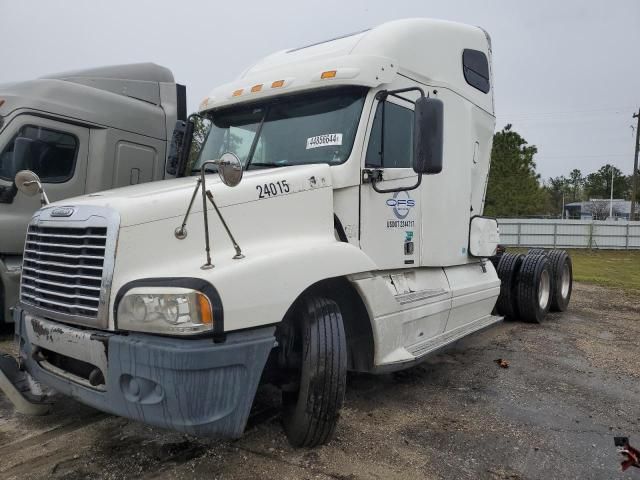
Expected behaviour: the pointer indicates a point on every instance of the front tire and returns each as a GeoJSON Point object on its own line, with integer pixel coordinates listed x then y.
{"type": "Point", "coordinates": [316, 342]}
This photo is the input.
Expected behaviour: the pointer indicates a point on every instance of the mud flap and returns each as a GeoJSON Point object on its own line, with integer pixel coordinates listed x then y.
{"type": "Point", "coordinates": [18, 386]}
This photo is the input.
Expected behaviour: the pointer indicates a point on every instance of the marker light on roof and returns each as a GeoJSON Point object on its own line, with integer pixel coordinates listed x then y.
{"type": "Point", "coordinates": [328, 74]}
{"type": "Point", "coordinates": [277, 84]}
{"type": "Point", "coordinates": [256, 88]}
{"type": "Point", "coordinates": [238, 92]}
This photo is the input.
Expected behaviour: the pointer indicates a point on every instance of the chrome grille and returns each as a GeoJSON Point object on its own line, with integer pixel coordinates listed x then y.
{"type": "Point", "coordinates": [62, 268]}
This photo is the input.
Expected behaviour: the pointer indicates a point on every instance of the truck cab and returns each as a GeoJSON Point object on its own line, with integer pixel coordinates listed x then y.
{"type": "Point", "coordinates": [81, 132]}
{"type": "Point", "coordinates": [354, 240]}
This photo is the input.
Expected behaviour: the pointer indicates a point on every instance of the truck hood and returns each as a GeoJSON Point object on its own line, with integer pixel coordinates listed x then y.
{"type": "Point", "coordinates": [155, 201]}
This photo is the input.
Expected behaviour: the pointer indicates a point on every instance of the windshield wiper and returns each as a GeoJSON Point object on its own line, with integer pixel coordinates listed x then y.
{"type": "Point", "coordinates": [257, 164]}
{"type": "Point", "coordinates": [254, 144]}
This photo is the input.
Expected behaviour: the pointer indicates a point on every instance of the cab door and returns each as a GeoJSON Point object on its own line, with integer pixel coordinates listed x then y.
{"type": "Point", "coordinates": [56, 151]}
{"type": "Point", "coordinates": [390, 227]}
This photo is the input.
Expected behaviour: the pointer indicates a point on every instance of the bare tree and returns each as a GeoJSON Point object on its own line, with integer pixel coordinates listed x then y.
{"type": "Point", "coordinates": [599, 209]}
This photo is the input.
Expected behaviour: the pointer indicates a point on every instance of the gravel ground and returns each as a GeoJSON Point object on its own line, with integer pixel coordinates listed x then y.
{"type": "Point", "coordinates": [571, 386]}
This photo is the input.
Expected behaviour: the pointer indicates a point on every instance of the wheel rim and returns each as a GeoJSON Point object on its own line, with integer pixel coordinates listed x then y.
{"type": "Point", "coordinates": [565, 280]}
{"type": "Point", "coordinates": [544, 289]}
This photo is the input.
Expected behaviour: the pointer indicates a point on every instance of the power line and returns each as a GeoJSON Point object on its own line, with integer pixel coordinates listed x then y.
{"type": "Point", "coordinates": [599, 155]}
{"type": "Point", "coordinates": [615, 110]}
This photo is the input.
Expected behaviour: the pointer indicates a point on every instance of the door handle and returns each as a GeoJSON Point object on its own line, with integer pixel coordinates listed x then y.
{"type": "Point", "coordinates": [134, 177]}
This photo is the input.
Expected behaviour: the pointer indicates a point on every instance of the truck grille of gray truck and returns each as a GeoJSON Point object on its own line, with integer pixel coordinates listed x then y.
{"type": "Point", "coordinates": [63, 267]}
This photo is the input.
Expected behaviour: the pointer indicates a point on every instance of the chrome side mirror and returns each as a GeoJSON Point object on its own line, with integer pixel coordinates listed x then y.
{"type": "Point", "coordinates": [230, 169]}
{"type": "Point", "coordinates": [29, 183]}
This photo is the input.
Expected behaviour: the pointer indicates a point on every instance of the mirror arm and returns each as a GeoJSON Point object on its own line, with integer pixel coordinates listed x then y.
{"type": "Point", "coordinates": [208, 195]}
{"type": "Point", "coordinates": [203, 171]}
{"type": "Point", "coordinates": [398, 189]}
{"type": "Point", "coordinates": [375, 175]}
{"type": "Point", "coordinates": [237, 248]}
{"type": "Point", "coordinates": [383, 94]}
{"type": "Point", "coordinates": [181, 231]}
{"type": "Point", "coordinates": [44, 200]}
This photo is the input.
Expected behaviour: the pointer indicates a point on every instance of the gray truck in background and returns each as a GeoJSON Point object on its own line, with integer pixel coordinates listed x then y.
{"type": "Point", "coordinates": [80, 132]}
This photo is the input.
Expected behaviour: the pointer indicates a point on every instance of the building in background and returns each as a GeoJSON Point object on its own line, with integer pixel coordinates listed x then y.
{"type": "Point", "coordinates": [599, 209]}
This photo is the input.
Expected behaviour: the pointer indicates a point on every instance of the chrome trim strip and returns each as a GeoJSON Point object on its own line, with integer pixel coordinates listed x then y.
{"type": "Point", "coordinates": [65, 245]}
{"type": "Point", "coordinates": [63, 295]}
{"type": "Point", "coordinates": [60, 274]}
{"type": "Point", "coordinates": [53, 302]}
{"type": "Point", "coordinates": [59, 235]}
{"type": "Point", "coordinates": [62, 255]}
{"type": "Point", "coordinates": [58, 284]}
{"type": "Point", "coordinates": [57, 264]}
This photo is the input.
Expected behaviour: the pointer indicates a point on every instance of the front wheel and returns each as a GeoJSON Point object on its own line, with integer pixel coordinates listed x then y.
{"type": "Point", "coordinates": [315, 350]}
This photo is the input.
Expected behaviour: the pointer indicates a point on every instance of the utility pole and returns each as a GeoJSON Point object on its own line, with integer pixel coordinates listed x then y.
{"type": "Point", "coordinates": [611, 201]}
{"type": "Point", "coordinates": [634, 177]}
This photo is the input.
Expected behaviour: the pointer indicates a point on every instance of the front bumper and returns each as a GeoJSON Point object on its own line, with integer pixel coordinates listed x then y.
{"type": "Point", "coordinates": [10, 268]}
{"type": "Point", "coordinates": [194, 386]}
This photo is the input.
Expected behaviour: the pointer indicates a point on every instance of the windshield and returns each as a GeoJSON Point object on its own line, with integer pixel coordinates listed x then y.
{"type": "Point", "coordinates": [317, 127]}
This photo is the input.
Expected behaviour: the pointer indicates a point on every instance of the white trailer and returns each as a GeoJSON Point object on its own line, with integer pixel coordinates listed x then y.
{"type": "Point", "coordinates": [354, 241]}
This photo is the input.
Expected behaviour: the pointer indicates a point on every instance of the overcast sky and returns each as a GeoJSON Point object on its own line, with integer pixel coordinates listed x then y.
{"type": "Point", "coordinates": [567, 73]}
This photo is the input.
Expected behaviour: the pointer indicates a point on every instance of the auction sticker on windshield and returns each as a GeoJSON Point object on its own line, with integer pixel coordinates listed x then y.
{"type": "Point", "coordinates": [324, 140]}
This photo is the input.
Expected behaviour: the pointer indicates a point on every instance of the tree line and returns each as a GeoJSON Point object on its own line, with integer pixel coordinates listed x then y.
{"type": "Point", "coordinates": [515, 189]}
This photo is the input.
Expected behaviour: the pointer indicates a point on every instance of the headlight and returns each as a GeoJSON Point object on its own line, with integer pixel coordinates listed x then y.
{"type": "Point", "coordinates": [166, 310]}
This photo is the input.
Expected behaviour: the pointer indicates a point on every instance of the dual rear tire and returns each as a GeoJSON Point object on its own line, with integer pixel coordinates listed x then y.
{"type": "Point", "coordinates": [532, 285]}
{"type": "Point", "coordinates": [534, 288]}
{"type": "Point", "coordinates": [562, 279]}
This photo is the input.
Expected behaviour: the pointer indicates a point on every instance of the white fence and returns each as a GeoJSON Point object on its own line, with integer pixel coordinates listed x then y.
{"type": "Point", "coordinates": [569, 233]}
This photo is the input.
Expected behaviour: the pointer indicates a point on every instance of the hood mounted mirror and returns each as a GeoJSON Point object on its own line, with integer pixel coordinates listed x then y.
{"type": "Point", "coordinates": [29, 183]}
{"type": "Point", "coordinates": [230, 171]}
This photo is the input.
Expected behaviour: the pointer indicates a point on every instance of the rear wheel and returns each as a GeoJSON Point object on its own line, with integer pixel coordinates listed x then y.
{"type": "Point", "coordinates": [534, 288]}
{"type": "Point", "coordinates": [314, 351]}
{"type": "Point", "coordinates": [561, 279]}
{"type": "Point", "coordinates": [508, 269]}
{"type": "Point", "coordinates": [537, 251]}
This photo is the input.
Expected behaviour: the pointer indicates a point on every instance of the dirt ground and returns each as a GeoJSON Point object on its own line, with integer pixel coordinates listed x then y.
{"type": "Point", "coordinates": [572, 384]}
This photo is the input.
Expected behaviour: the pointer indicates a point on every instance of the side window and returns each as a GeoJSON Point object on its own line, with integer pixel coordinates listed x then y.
{"type": "Point", "coordinates": [49, 153]}
{"type": "Point", "coordinates": [475, 67]}
{"type": "Point", "coordinates": [398, 138]}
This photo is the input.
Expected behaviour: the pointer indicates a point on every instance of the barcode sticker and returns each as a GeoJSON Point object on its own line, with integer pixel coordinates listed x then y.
{"type": "Point", "coordinates": [324, 140]}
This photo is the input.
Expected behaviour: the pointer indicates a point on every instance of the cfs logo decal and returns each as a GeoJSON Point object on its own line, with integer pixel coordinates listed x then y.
{"type": "Point", "coordinates": [401, 204]}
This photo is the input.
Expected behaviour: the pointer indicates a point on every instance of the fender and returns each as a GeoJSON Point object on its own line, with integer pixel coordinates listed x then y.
{"type": "Point", "coordinates": [259, 291]}
{"type": "Point", "coordinates": [256, 290]}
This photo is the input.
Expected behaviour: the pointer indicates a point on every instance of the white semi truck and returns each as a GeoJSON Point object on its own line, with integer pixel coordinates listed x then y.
{"type": "Point", "coordinates": [333, 223]}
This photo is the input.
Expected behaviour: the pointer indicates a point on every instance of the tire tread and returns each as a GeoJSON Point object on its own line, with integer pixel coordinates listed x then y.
{"type": "Point", "coordinates": [314, 419]}
{"type": "Point", "coordinates": [527, 290]}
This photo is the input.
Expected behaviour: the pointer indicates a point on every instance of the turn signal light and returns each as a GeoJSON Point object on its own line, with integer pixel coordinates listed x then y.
{"type": "Point", "coordinates": [328, 74]}
{"type": "Point", "coordinates": [238, 92]}
{"type": "Point", "coordinates": [206, 315]}
{"type": "Point", "coordinates": [277, 84]}
{"type": "Point", "coordinates": [1, 102]}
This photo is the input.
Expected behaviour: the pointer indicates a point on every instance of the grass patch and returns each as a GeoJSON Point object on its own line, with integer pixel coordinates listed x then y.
{"type": "Point", "coordinates": [609, 268]}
